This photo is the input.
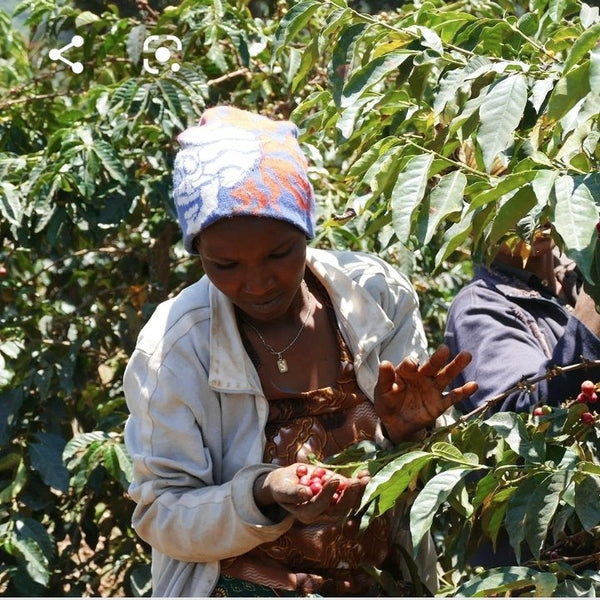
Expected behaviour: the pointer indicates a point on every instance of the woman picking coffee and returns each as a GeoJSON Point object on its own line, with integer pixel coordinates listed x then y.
{"type": "Point", "coordinates": [279, 352]}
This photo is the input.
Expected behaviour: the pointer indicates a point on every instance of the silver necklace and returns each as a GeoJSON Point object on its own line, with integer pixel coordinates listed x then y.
{"type": "Point", "coordinates": [281, 362]}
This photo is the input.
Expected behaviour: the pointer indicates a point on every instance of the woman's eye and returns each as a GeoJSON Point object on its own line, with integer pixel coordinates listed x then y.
{"type": "Point", "coordinates": [281, 254]}
{"type": "Point", "coordinates": [224, 266]}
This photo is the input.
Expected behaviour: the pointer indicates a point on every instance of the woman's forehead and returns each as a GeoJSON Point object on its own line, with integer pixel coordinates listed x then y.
{"type": "Point", "coordinates": [244, 233]}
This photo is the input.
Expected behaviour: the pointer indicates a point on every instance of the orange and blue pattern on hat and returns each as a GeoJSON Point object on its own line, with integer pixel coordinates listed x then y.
{"type": "Point", "coordinates": [240, 163]}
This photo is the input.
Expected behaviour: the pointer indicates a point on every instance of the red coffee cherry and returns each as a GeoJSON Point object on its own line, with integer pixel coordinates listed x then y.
{"type": "Point", "coordinates": [3, 271]}
{"type": "Point", "coordinates": [301, 470]}
{"type": "Point", "coordinates": [587, 418]}
{"type": "Point", "coordinates": [588, 387]}
{"type": "Point", "coordinates": [305, 480]}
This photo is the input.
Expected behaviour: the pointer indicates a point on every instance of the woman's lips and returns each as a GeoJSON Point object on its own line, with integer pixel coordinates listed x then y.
{"type": "Point", "coordinates": [264, 306]}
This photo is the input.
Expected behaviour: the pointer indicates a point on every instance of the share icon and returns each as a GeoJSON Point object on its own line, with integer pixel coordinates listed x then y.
{"type": "Point", "coordinates": [57, 54]}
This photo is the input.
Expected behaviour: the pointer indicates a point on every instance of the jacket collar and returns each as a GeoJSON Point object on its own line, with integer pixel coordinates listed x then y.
{"type": "Point", "coordinates": [362, 321]}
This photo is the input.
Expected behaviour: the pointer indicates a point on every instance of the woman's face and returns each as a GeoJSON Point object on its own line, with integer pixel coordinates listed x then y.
{"type": "Point", "coordinates": [257, 262]}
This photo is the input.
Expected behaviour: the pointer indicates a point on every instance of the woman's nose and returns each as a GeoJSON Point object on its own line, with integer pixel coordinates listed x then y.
{"type": "Point", "coordinates": [258, 281]}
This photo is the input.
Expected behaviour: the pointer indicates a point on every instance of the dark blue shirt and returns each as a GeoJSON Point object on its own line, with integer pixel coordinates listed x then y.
{"type": "Point", "coordinates": [514, 329]}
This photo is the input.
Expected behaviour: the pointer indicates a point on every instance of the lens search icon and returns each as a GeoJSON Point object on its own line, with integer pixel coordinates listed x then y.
{"type": "Point", "coordinates": [162, 54]}
{"type": "Point", "coordinates": [57, 54]}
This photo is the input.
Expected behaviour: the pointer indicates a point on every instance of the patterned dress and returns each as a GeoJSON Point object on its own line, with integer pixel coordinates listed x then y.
{"type": "Point", "coordinates": [321, 558]}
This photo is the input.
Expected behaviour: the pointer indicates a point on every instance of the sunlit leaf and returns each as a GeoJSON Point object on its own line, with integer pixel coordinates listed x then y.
{"type": "Point", "coordinates": [500, 113]}
{"type": "Point", "coordinates": [408, 193]}
{"type": "Point", "coordinates": [569, 90]}
{"type": "Point", "coordinates": [575, 218]}
{"type": "Point", "coordinates": [365, 78]}
{"type": "Point", "coordinates": [294, 20]}
{"type": "Point", "coordinates": [445, 200]}
{"type": "Point", "coordinates": [388, 483]}
{"type": "Point", "coordinates": [513, 430]}
{"type": "Point", "coordinates": [499, 581]}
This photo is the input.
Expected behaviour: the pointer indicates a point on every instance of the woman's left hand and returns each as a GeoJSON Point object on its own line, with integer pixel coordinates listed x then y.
{"type": "Point", "coordinates": [409, 397]}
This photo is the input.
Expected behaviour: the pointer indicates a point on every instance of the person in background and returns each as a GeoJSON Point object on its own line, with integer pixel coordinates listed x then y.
{"type": "Point", "coordinates": [519, 320]}
{"type": "Point", "coordinates": [279, 353]}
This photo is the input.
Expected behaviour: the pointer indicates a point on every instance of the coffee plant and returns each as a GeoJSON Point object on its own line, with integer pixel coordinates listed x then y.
{"type": "Point", "coordinates": [435, 130]}
{"type": "Point", "coordinates": [529, 483]}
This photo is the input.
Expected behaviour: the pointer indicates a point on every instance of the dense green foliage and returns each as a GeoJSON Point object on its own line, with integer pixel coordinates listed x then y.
{"type": "Point", "coordinates": [434, 131]}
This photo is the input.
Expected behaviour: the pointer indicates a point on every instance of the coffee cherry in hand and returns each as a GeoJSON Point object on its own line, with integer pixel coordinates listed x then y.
{"type": "Point", "coordinates": [316, 479]}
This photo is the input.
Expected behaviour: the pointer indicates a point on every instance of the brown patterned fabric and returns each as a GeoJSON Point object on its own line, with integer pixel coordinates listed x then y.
{"type": "Point", "coordinates": [319, 557]}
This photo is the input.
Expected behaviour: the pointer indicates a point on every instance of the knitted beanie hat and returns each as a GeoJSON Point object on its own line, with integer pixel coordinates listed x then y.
{"type": "Point", "coordinates": [239, 163]}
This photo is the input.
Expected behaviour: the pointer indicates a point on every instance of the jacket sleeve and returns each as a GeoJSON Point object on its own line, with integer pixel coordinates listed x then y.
{"type": "Point", "coordinates": [506, 349]}
{"type": "Point", "coordinates": [180, 509]}
{"type": "Point", "coordinates": [399, 301]}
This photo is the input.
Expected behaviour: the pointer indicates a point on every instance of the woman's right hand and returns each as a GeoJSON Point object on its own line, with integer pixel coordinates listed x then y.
{"type": "Point", "coordinates": [289, 487]}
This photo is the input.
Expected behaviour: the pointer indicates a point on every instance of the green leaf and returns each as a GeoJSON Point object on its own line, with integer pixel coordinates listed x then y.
{"type": "Point", "coordinates": [501, 112]}
{"type": "Point", "coordinates": [11, 401]}
{"type": "Point", "coordinates": [500, 581]}
{"type": "Point", "coordinates": [10, 204]}
{"type": "Point", "coordinates": [46, 459]}
{"type": "Point", "coordinates": [16, 485]}
{"type": "Point", "coordinates": [581, 47]}
{"type": "Point", "coordinates": [528, 23]}
{"type": "Point", "coordinates": [426, 504]}
{"type": "Point", "coordinates": [82, 441]}
{"type": "Point", "coordinates": [408, 193]}
{"type": "Point", "coordinates": [545, 584]}
{"type": "Point", "coordinates": [587, 506]}
{"type": "Point", "coordinates": [543, 184]}
{"type": "Point", "coordinates": [494, 510]}
{"type": "Point", "coordinates": [309, 58]}
{"type": "Point", "coordinates": [542, 507]}
{"type": "Point", "coordinates": [445, 200]}
{"type": "Point", "coordinates": [86, 18]}
{"type": "Point", "coordinates": [342, 59]}
{"type": "Point", "coordinates": [125, 462]}
{"type": "Point", "coordinates": [293, 22]}
{"type": "Point", "coordinates": [373, 72]}
{"type": "Point", "coordinates": [450, 86]}
{"type": "Point", "coordinates": [575, 218]}
{"type": "Point", "coordinates": [595, 71]}
{"type": "Point", "coordinates": [35, 548]}
{"type": "Point", "coordinates": [485, 486]}
{"type": "Point", "coordinates": [383, 171]}
{"type": "Point", "coordinates": [513, 430]}
{"type": "Point", "coordinates": [454, 236]}
{"type": "Point", "coordinates": [589, 467]}
{"type": "Point", "coordinates": [518, 506]}
{"type": "Point", "coordinates": [556, 9]}
{"type": "Point", "coordinates": [388, 483]}
{"type": "Point", "coordinates": [511, 211]}
{"type": "Point", "coordinates": [135, 43]}
{"type": "Point", "coordinates": [568, 91]}
{"type": "Point", "coordinates": [451, 453]}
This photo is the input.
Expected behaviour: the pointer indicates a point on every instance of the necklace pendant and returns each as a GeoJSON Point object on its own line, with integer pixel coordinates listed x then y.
{"type": "Point", "coordinates": [282, 364]}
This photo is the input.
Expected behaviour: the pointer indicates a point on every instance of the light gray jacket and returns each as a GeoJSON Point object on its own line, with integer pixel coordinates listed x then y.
{"type": "Point", "coordinates": [198, 413]}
